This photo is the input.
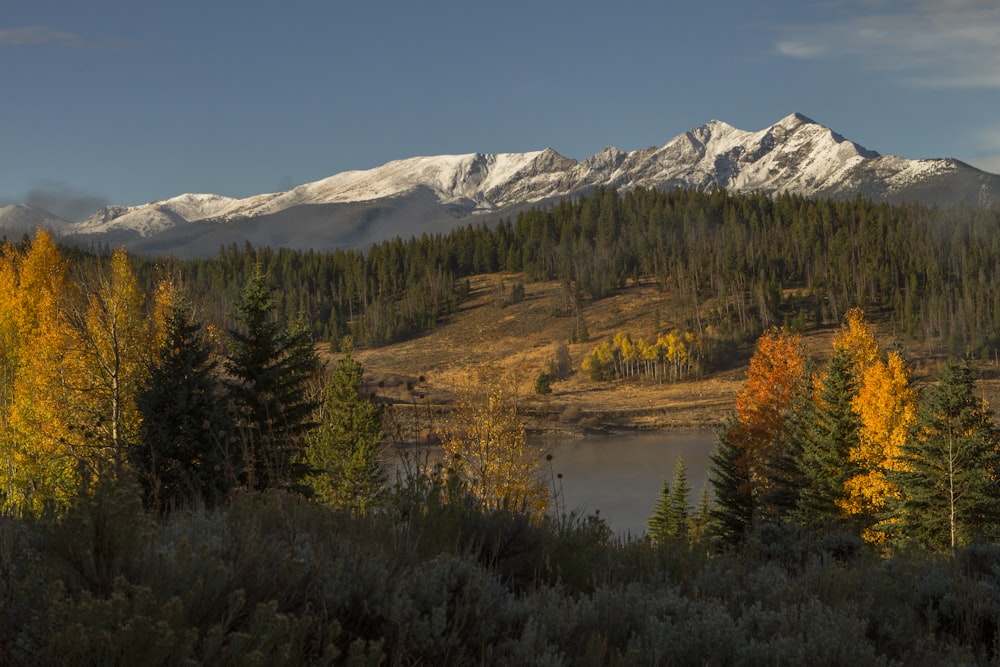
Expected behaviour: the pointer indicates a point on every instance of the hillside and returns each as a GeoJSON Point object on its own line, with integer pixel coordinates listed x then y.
{"type": "Point", "coordinates": [524, 336]}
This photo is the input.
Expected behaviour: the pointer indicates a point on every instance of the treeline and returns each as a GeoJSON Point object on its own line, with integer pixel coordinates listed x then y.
{"type": "Point", "coordinates": [738, 262]}
{"type": "Point", "coordinates": [854, 449]}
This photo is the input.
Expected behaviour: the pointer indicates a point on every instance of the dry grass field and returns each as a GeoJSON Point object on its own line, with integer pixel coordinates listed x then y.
{"type": "Point", "coordinates": [418, 376]}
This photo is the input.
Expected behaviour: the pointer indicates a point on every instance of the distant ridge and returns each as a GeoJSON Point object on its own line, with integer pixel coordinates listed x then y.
{"type": "Point", "coordinates": [435, 194]}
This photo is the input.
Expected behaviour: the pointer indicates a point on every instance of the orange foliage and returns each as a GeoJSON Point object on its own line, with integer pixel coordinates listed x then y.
{"type": "Point", "coordinates": [777, 374]}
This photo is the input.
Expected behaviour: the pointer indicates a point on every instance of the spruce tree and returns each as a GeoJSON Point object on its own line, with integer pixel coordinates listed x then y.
{"type": "Point", "coordinates": [732, 515]}
{"type": "Point", "coordinates": [824, 464]}
{"type": "Point", "coordinates": [950, 477]}
{"type": "Point", "coordinates": [677, 525]}
{"type": "Point", "coordinates": [183, 453]}
{"type": "Point", "coordinates": [658, 522]}
{"type": "Point", "coordinates": [268, 368]}
{"type": "Point", "coordinates": [701, 521]}
{"type": "Point", "coordinates": [343, 450]}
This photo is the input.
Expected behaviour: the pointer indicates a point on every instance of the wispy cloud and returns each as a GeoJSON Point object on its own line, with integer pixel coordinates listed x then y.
{"type": "Point", "coordinates": [934, 43]}
{"type": "Point", "coordinates": [798, 49]}
{"type": "Point", "coordinates": [42, 35]}
{"type": "Point", "coordinates": [65, 200]}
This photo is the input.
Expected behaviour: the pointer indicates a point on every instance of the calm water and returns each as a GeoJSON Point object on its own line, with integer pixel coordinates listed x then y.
{"type": "Point", "coordinates": [622, 475]}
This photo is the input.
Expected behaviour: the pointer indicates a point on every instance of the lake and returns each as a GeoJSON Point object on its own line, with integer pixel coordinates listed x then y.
{"type": "Point", "coordinates": [621, 475]}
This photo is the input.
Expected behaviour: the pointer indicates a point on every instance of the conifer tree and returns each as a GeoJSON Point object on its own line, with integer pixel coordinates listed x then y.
{"type": "Point", "coordinates": [950, 472]}
{"type": "Point", "coordinates": [732, 515]}
{"type": "Point", "coordinates": [183, 453]}
{"type": "Point", "coordinates": [677, 524]}
{"type": "Point", "coordinates": [343, 450]}
{"type": "Point", "coordinates": [824, 461]}
{"type": "Point", "coordinates": [701, 521]}
{"type": "Point", "coordinates": [268, 368]}
{"type": "Point", "coordinates": [658, 522]}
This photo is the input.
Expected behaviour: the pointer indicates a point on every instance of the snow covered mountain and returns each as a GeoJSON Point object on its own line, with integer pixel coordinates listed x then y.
{"type": "Point", "coordinates": [435, 194]}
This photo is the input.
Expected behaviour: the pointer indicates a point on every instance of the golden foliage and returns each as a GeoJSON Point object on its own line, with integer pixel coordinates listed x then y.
{"type": "Point", "coordinates": [886, 404]}
{"type": "Point", "coordinates": [858, 339]}
{"type": "Point", "coordinates": [71, 365]}
{"type": "Point", "coordinates": [484, 445]}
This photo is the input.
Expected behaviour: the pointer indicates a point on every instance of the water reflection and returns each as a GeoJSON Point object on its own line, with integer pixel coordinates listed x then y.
{"type": "Point", "coordinates": [622, 475]}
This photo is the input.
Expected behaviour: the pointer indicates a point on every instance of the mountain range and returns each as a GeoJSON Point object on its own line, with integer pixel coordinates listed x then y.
{"type": "Point", "coordinates": [436, 194]}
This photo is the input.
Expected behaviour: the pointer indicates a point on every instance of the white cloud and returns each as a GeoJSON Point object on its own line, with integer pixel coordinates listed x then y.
{"type": "Point", "coordinates": [42, 35]}
{"type": "Point", "coordinates": [939, 43]}
{"type": "Point", "coordinates": [796, 49]}
{"type": "Point", "coordinates": [39, 35]}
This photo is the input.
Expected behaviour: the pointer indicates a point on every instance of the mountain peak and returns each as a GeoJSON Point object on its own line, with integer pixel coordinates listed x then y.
{"type": "Point", "coordinates": [795, 118]}
{"type": "Point", "coordinates": [436, 193]}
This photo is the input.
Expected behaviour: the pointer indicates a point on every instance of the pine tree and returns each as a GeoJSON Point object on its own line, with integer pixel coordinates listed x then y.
{"type": "Point", "coordinates": [824, 459]}
{"type": "Point", "coordinates": [183, 453]}
{"type": "Point", "coordinates": [343, 450]}
{"type": "Point", "coordinates": [950, 472]}
{"type": "Point", "coordinates": [732, 515]}
{"type": "Point", "coordinates": [268, 368]}
{"type": "Point", "coordinates": [701, 521]}
{"type": "Point", "coordinates": [658, 522]}
{"type": "Point", "coordinates": [677, 524]}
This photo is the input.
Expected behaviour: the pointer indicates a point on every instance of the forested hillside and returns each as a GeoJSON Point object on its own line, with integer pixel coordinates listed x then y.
{"type": "Point", "coordinates": [733, 265]}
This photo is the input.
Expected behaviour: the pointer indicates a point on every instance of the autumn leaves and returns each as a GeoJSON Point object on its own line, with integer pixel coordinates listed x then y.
{"type": "Point", "coordinates": [853, 448]}
{"type": "Point", "coordinates": [72, 351]}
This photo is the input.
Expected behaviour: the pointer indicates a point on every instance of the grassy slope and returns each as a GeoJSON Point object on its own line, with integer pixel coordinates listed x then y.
{"type": "Point", "coordinates": [523, 337]}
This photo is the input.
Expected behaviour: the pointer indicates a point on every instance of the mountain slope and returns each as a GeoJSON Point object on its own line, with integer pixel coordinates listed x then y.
{"type": "Point", "coordinates": [435, 194]}
{"type": "Point", "coordinates": [19, 219]}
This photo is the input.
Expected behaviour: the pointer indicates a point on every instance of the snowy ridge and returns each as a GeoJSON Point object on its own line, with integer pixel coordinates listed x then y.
{"type": "Point", "coordinates": [148, 219]}
{"type": "Point", "coordinates": [795, 155]}
{"type": "Point", "coordinates": [19, 219]}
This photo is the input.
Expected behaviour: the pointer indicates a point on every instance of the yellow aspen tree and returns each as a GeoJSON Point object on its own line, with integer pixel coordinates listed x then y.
{"type": "Point", "coordinates": [40, 462]}
{"type": "Point", "coordinates": [9, 334]}
{"type": "Point", "coordinates": [113, 343]}
{"type": "Point", "coordinates": [886, 404]}
{"type": "Point", "coordinates": [485, 446]}
{"type": "Point", "coordinates": [858, 340]}
{"type": "Point", "coordinates": [9, 352]}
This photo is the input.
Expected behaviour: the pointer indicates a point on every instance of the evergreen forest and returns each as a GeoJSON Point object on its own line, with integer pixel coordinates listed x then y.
{"type": "Point", "coordinates": [735, 265]}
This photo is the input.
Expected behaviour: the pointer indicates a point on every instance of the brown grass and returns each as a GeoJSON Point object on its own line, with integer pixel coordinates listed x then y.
{"type": "Point", "coordinates": [523, 337]}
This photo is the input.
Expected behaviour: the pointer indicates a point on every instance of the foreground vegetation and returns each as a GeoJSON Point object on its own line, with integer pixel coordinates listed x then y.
{"type": "Point", "coordinates": [432, 578]}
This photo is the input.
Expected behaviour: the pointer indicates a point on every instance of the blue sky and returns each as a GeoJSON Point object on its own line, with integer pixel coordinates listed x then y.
{"type": "Point", "coordinates": [128, 102]}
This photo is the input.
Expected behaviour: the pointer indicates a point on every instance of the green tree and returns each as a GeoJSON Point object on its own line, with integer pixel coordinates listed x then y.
{"type": "Point", "coordinates": [950, 473]}
{"type": "Point", "coordinates": [268, 367]}
{"type": "Point", "coordinates": [543, 384]}
{"type": "Point", "coordinates": [678, 524]}
{"type": "Point", "coordinates": [658, 522]}
{"type": "Point", "coordinates": [183, 452]}
{"type": "Point", "coordinates": [824, 457]}
{"type": "Point", "coordinates": [343, 451]}
{"type": "Point", "coordinates": [732, 515]}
